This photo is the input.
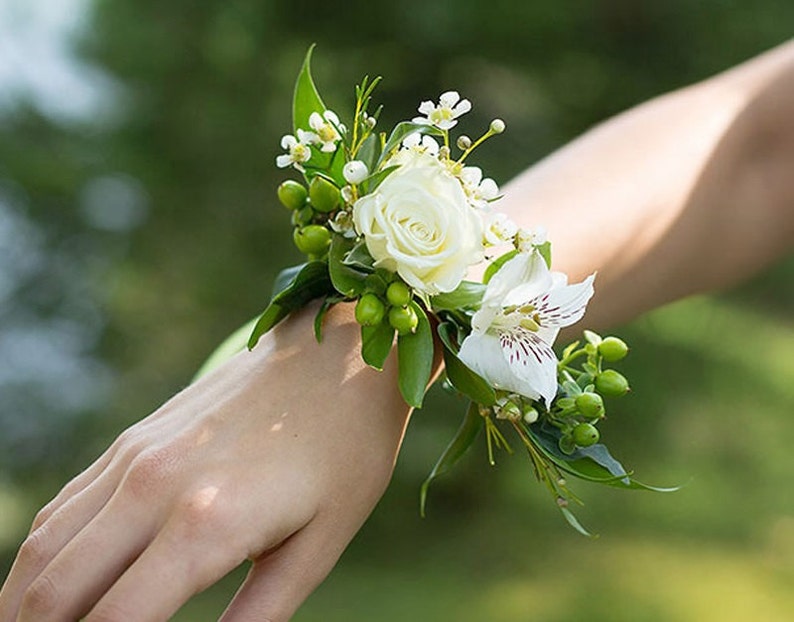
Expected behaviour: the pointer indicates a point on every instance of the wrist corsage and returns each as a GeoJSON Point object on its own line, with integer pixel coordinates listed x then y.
{"type": "Point", "coordinates": [393, 221]}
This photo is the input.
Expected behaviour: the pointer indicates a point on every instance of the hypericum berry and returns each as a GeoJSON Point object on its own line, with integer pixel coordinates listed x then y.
{"type": "Point", "coordinates": [312, 240]}
{"type": "Point", "coordinates": [370, 310]}
{"type": "Point", "coordinates": [403, 319]}
{"type": "Point", "coordinates": [585, 434]}
{"type": "Point", "coordinates": [613, 349]}
{"type": "Point", "coordinates": [323, 194]}
{"type": "Point", "coordinates": [303, 216]}
{"type": "Point", "coordinates": [292, 194]}
{"type": "Point", "coordinates": [590, 405]}
{"type": "Point", "coordinates": [398, 294]}
{"type": "Point", "coordinates": [611, 384]}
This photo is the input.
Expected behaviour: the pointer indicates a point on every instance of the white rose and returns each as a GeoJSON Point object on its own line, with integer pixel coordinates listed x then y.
{"type": "Point", "coordinates": [419, 224]}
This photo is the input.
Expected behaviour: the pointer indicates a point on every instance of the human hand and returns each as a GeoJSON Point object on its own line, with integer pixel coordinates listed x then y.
{"type": "Point", "coordinates": [277, 457]}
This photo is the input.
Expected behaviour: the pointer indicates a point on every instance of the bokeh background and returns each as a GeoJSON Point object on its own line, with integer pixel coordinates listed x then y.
{"type": "Point", "coordinates": [138, 227]}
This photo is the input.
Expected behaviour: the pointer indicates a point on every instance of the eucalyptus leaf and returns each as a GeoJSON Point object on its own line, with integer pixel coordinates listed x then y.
{"type": "Point", "coordinates": [467, 295]}
{"type": "Point", "coordinates": [574, 522]}
{"type": "Point", "coordinates": [311, 282]}
{"type": "Point", "coordinates": [415, 360]}
{"type": "Point", "coordinates": [360, 258]}
{"type": "Point", "coordinates": [376, 343]}
{"type": "Point", "coordinates": [464, 437]}
{"type": "Point", "coordinates": [345, 278]}
{"type": "Point", "coordinates": [230, 346]}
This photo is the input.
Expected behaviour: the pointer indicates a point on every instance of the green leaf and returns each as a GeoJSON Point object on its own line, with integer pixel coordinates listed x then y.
{"type": "Point", "coordinates": [497, 263]}
{"type": "Point", "coordinates": [311, 282]}
{"type": "Point", "coordinates": [468, 295]}
{"type": "Point", "coordinates": [592, 337]}
{"type": "Point", "coordinates": [464, 437]}
{"type": "Point", "coordinates": [306, 99]}
{"type": "Point", "coordinates": [400, 132]}
{"type": "Point", "coordinates": [369, 152]}
{"type": "Point", "coordinates": [459, 375]}
{"type": "Point", "coordinates": [415, 360]}
{"type": "Point", "coordinates": [545, 252]}
{"type": "Point", "coordinates": [574, 522]}
{"type": "Point", "coordinates": [371, 183]}
{"type": "Point", "coordinates": [284, 278]}
{"type": "Point", "coordinates": [230, 346]}
{"type": "Point", "coordinates": [329, 302]}
{"type": "Point", "coordinates": [346, 280]}
{"type": "Point", "coordinates": [359, 258]}
{"type": "Point", "coordinates": [376, 343]}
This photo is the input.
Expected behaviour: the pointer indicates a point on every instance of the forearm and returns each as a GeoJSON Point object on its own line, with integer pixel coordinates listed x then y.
{"type": "Point", "coordinates": [689, 192]}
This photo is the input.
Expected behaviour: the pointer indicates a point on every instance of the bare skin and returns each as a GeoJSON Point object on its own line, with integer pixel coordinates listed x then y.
{"type": "Point", "coordinates": [246, 465]}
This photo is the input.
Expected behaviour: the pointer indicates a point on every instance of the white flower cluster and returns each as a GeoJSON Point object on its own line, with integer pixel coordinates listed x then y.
{"type": "Point", "coordinates": [325, 135]}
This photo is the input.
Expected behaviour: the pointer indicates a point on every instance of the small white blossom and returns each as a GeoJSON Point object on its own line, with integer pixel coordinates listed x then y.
{"type": "Point", "coordinates": [497, 126]}
{"type": "Point", "coordinates": [421, 143]}
{"type": "Point", "coordinates": [498, 228]}
{"type": "Point", "coordinates": [347, 195]}
{"type": "Point", "coordinates": [355, 172]}
{"type": "Point", "coordinates": [444, 116]}
{"type": "Point", "coordinates": [298, 150]}
{"type": "Point", "coordinates": [326, 129]}
{"type": "Point", "coordinates": [342, 223]}
{"type": "Point", "coordinates": [480, 191]}
{"type": "Point", "coordinates": [526, 240]}
{"type": "Point", "coordinates": [523, 309]}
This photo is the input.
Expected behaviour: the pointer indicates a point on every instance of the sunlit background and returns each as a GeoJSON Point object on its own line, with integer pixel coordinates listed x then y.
{"type": "Point", "coordinates": [138, 227]}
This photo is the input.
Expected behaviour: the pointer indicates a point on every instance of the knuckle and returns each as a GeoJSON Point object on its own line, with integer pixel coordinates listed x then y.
{"type": "Point", "coordinates": [36, 550]}
{"type": "Point", "coordinates": [41, 517]}
{"type": "Point", "coordinates": [201, 515]}
{"type": "Point", "coordinates": [150, 471]}
{"type": "Point", "coordinates": [41, 598]}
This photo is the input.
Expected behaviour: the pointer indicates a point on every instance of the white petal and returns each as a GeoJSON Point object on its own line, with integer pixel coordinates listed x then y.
{"type": "Point", "coordinates": [566, 305]}
{"type": "Point", "coordinates": [523, 277]}
{"type": "Point", "coordinates": [471, 175]}
{"type": "Point", "coordinates": [426, 108]}
{"type": "Point", "coordinates": [316, 121]}
{"type": "Point", "coordinates": [412, 140]}
{"type": "Point", "coordinates": [532, 361]}
{"type": "Point", "coordinates": [462, 108]}
{"type": "Point", "coordinates": [283, 161]}
{"type": "Point", "coordinates": [307, 138]}
{"type": "Point", "coordinates": [288, 141]}
{"type": "Point", "coordinates": [331, 117]}
{"type": "Point", "coordinates": [430, 144]}
{"type": "Point", "coordinates": [449, 99]}
{"type": "Point", "coordinates": [483, 354]}
{"type": "Point", "coordinates": [488, 189]}
{"type": "Point", "coordinates": [421, 121]}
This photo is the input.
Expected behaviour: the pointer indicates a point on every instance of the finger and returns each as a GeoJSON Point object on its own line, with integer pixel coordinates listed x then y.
{"type": "Point", "coordinates": [203, 540]}
{"type": "Point", "coordinates": [77, 485]}
{"type": "Point", "coordinates": [43, 544]}
{"type": "Point", "coordinates": [278, 583]}
{"type": "Point", "coordinates": [90, 562]}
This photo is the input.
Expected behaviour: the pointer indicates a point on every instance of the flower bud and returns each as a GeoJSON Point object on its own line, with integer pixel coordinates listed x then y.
{"type": "Point", "coordinates": [590, 405]}
{"type": "Point", "coordinates": [403, 319]}
{"type": "Point", "coordinates": [530, 416]}
{"type": "Point", "coordinates": [613, 349]}
{"type": "Point", "coordinates": [370, 310]}
{"type": "Point", "coordinates": [463, 142]}
{"type": "Point", "coordinates": [312, 239]}
{"type": "Point", "coordinates": [323, 194]}
{"type": "Point", "coordinates": [497, 126]}
{"type": "Point", "coordinates": [355, 172]}
{"type": "Point", "coordinates": [398, 294]}
{"type": "Point", "coordinates": [292, 194]}
{"type": "Point", "coordinates": [585, 435]}
{"type": "Point", "coordinates": [611, 384]}
{"type": "Point", "coordinates": [371, 122]}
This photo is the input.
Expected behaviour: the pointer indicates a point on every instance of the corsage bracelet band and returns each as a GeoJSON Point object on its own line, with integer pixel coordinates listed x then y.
{"type": "Point", "coordinates": [393, 222]}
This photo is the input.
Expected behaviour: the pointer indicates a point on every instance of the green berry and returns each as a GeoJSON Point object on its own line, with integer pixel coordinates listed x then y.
{"type": "Point", "coordinates": [585, 434]}
{"type": "Point", "coordinates": [303, 216]}
{"type": "Point", "coordinates": [398, 294]}
{"type": "Point", "coordinates": [613, 349]}
{"type": "Point", "coordinates": [312, 240]}
{"type": "Point", "coordinates": [611, 384]}
{"type": "Point", "coordinates": [403, 319]}
{"type": "Point", "coordinates": [292, 194]}
{"type": "Point", "coordinates": [370, 310]}
{"type": "Point", "coordinates": [590, 405]}
{"type": "Point", "coordinates": [323, 194]}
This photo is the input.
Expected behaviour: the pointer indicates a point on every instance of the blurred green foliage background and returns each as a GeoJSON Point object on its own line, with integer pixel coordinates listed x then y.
{"type": "Point", "coordinates": [136, 234]}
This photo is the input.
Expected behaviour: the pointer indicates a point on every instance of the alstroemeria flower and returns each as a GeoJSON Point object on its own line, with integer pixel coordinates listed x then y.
{"type": "Point", "coordinates": [523, 309]}
{"type": "Point", "coordinates": [443, 116]}
{"type": "Point", "coordinates": [298, 150]}
{"type": "Point", "coordinates": [326, 128]}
